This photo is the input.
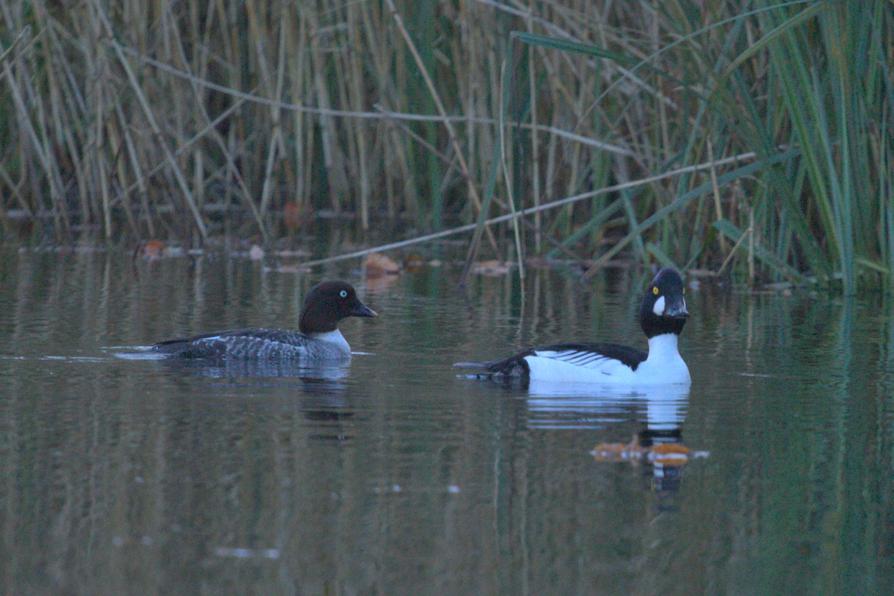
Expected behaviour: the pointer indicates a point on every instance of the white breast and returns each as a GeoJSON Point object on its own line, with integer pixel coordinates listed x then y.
{"type": "Point", "coordinates": [333, 338]}
{"type": "Point", "coordinates": [664, 364]}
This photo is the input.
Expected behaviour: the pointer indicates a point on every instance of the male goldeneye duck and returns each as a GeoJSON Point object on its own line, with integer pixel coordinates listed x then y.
{"type": "Point", "coordinates": [318, 337]}
{"type": "Point", "coordinates": [662, 317]}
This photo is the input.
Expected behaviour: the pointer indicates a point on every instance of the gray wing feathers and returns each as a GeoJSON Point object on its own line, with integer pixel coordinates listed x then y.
{"type": "Point", "coordinates": [248, 344]}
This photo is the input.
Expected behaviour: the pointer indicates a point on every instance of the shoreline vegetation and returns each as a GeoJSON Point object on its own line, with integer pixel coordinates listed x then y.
{"type": "Point", "coordinates": [750, 139]}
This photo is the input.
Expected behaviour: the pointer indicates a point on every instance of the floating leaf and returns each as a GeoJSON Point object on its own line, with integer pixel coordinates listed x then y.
{"type": "Point", "coordinates": [377, 264]}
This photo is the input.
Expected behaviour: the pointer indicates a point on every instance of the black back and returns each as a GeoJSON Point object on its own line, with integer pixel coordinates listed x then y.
{"type": "Point", "coordinates": [517, 366]}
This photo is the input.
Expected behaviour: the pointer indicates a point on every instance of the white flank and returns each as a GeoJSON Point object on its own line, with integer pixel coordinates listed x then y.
{"type": "Point", "coordinates": [572, 366]}
{"type": "Point", "coordinates": [663, 366]}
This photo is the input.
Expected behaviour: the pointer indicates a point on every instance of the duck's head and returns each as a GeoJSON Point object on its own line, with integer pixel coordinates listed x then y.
{"type": "Point", "coordinates": [329, 302]}
{"type": "Point", "coordinates": [664, 307]}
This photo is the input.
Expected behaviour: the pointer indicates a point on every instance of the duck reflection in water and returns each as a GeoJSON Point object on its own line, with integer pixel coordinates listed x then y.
{"type": "Point", "coordinates": [325, 376]}
{"type": "Point", "coordinates": [317, 390]}
{"type": "Point", "coordinates": [657, 443]}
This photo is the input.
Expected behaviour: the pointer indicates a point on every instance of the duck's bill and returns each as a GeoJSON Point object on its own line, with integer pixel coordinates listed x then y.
{"type": "Point", "coordinates": [676, 310]}
{"type": "Point", "coordinates": [362, 310]}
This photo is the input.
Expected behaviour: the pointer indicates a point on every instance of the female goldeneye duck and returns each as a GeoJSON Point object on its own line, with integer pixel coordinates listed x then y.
{"type": "Point", "coordinates": [662, 317]}
{"type": "Point", "coordinates": [318, 337]}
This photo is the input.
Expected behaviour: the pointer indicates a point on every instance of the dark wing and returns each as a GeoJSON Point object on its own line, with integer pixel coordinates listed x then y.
{"type": "Point", "coordinates": [584, 354]}
{"type": "Point", "coordinates": [240, 343]}
{"type": "Point", "coordinates": [580, 354]}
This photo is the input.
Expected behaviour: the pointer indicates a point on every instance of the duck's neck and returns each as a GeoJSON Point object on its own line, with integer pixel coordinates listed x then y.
{"type": "Point", "coordinates": [333, 337]}
{"type": "Point", "coordinates": [663, 348]}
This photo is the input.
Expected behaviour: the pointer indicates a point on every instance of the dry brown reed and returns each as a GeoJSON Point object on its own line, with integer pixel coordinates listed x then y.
{"type": "Point", "coordinates": [124, 121]}
{"type": "Point", "coordinates": [197, 119]}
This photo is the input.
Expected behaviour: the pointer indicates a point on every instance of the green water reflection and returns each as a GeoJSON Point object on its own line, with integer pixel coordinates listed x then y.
{"type": "Point", "coordinates": [397, 476]}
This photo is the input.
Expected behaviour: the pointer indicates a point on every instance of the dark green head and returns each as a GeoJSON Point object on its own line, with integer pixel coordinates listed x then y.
{"type": "Point", "coordinates": [664, 307]}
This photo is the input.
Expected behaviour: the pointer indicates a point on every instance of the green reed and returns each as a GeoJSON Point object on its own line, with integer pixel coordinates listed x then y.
{"type": "Point", "coordinates": [195, 119]}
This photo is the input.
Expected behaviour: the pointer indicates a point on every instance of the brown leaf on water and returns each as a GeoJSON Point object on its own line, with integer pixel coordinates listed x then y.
{"type": "Point", "coordinates": [670, 454]}
{"type": "Point", "coordinates": [675, 461]}
{"type": "Point", "coordinates": [377, 264]}
{"type": "Point", "coordinates": [151, 250]}
{"type": "Point", "coordinates": [666, 448]}
{"type": "Point", "coordinates": [666, 454]}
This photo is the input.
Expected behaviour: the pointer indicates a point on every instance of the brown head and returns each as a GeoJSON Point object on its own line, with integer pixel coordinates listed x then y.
{"type": "Point", "coordinates": [329, 302]}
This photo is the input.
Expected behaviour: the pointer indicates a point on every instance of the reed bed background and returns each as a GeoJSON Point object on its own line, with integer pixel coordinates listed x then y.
{"type": "Point", "coordinates": [750, 138]}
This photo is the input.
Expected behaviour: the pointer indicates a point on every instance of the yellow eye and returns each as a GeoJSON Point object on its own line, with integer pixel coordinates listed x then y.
{"type": "Point", "coordinates": [655, 290]}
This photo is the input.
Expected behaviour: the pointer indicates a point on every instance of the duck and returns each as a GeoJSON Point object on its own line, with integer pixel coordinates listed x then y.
{"type": "Point", "coordinates": [317, 339]}
{"type": "Point", "coordinates": [662, 316]}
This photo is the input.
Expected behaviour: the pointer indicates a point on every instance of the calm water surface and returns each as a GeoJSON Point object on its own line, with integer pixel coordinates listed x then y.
{"type": "Point", "coordinates": [393, 475]}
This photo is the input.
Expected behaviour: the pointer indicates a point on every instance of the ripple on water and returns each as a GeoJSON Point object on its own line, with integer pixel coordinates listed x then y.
{"type": "Point", "coordinates": [394, 474]}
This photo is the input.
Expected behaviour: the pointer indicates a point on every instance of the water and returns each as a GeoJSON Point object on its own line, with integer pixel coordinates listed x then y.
{"type": "Point", "coordinates": [394, 475]}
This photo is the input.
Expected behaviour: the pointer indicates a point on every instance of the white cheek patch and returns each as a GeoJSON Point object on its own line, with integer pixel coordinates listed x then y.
{"type": "Point", "coordinates": [658, 309]}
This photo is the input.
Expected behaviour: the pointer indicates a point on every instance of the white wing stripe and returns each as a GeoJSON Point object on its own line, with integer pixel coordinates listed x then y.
{"type": "Point", "coordinates": [583, 359]}
{"type": "Point", "coordinates": [580, 358]}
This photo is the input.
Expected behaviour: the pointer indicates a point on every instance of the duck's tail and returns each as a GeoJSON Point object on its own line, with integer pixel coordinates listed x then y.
{"type": "Point", "coordinates": [502, 370]}
{"type": "Point", "coordinates": [475, 370]}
